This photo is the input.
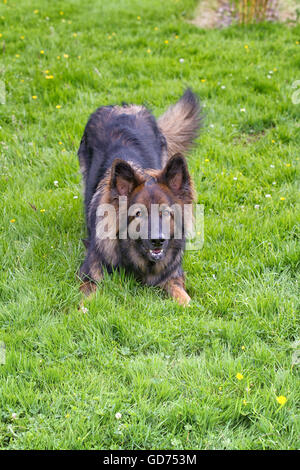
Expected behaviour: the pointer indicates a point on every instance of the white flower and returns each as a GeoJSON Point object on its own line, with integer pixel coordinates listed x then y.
{"type": "Point", "coordinates": [55, 183]}
{"type": "Point", "coordinates": [75, 197]}
{"type": "Point", "coordinates": [181, 60]}
{"type": "Point", "coordinates": [272, 166]}
{"type": "Point", "coordinates": [84, 309]}
{"type": "Point", "coordinates": [243, 110]}
{"type": "Point", "coordinates": [274, 183]}
{"type": "Point", "coordinates": [14, 416]}
{"type": "Point", "coordinates": [223, 87]}
{"type": "Point", "coordinates": [212, 125]}
{"type": "Point", "coordinates": [118, 415]}
{"type": "Point", "coordinates": [268, 195]}
{"type": "Point", "coordinates": [256, 206]}
{"type": "Point", "coordinates": [235, 178]}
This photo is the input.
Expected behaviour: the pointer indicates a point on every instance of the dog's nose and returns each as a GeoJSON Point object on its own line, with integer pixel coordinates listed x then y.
{"type": "Point", "coordinates": [157, 242]}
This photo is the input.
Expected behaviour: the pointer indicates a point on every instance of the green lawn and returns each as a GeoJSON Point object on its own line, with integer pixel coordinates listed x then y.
{"type": "Point", "coordinates": [170, 371]}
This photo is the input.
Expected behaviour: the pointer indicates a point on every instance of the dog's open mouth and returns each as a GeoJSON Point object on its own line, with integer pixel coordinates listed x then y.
{"type": "Point", "coordinates": [157, 253]}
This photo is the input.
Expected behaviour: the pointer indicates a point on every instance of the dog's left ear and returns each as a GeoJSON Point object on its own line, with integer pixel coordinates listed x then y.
{"type": "Point", "coordinates": [176, 175]}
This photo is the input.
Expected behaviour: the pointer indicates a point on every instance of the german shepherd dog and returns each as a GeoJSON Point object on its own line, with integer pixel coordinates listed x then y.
{"type": "Point", "coordinates": [124, 151]}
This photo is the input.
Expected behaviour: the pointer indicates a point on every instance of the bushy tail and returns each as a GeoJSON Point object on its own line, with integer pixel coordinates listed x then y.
{"type": "Point", "coordinates": [181, 123]}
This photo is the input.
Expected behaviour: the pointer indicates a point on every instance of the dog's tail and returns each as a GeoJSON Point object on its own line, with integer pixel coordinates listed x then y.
{"type": "Point", "coordinates": [181, 123]}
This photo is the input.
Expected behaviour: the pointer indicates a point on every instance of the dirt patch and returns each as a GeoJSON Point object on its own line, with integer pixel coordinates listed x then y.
{"type": "Point", "coordinates": [219, 13]}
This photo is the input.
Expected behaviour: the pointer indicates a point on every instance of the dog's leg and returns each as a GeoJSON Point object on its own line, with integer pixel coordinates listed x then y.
{"type": "Point", "coordinates": [90, 273]}
{"type": "Point", "coordinates": [175, 288]}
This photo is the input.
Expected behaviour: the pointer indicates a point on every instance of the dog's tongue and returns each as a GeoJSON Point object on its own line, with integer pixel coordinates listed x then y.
{"type": "Point", "coordinates": [157, 250]}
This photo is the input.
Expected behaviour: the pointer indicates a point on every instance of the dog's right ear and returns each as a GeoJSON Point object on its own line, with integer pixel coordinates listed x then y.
{"type": "Point", "coordinates": [123, 178]}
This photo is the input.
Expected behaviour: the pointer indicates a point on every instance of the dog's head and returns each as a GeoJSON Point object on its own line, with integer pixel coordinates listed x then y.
{"type": "Point", "coordinates": [153, 222]}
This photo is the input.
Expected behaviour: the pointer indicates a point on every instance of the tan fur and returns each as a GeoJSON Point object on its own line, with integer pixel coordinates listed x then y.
{"type": "Point", "coordinates": [175, 288]}
{"type": "Point", "coordinates": [180, 125]}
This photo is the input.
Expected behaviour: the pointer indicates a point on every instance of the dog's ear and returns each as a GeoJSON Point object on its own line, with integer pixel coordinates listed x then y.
{"type": "Point", "coordinates": [176, 175]}
{"type": "Point", "coordinates": [123, 178]}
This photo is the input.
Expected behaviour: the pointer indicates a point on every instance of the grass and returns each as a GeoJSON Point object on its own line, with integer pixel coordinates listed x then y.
{"type": "Point", "coordinates": [169, 371]}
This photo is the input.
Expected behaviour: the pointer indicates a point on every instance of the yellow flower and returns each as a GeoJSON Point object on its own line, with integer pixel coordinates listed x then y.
{"type": "Point", "coordinates": [176, 36]}
{"type": "Point", "coordinates": [156, 28]}
{"type": "Point", "coordinates": [58, 57]}
{"type": "Point", "coordinates": [297, 42]}
{"type": "Point", "coordinates": [243, 348]}
{"type": "Point", "coordinates": [275, 70]}
{"type": "Point", "coordinates": [79, 57]}
{"type": "Point", "coordinates": [49, 77]}
{"type": "Point", "coordinates": [22, 81]}
{"type": "Point", "coordinates": [203, 80]}
{"type": "Point", "coordinates": [148, 50]}
{"type": "Point", "coordinates": [75, 35]}
{"type": "Point", "coordinates": [58, 106]}
{"type": "Point", "coordinates": [239, 376]}
{"type": "Point", "coordinates": [42, 210]}
{"type": "Point", "coordinates": [244, 402]}
{"type": "Point", "coordinates": [34, 97]}
{"type": "Point", "coordinates": [138, 17]}
{"type": "Point", "coordinates": [282, 198]}
{"type": "Point", "coordinates": [12, 221]}
{"type": "Point", "coordinates": [281, 400]}
{"type": "Point", "coordinates": [42, 52]}
{"type": "Point", "coordinates": [17, 55]}
{"type": "Point", "coordinates": [61, 12]}
{"type": "Point", "coordinates": [206, 160]}
{"type": "Point", "coordinates": [66, 56]}
{"type": "Point", "coordinates": [273, 141]}
{"type": "Point", "coordinates": [166, 41]}
{"type": "Point", "coordinates": [22, 37]}
{"type": "Point", "coordinates": [67, 415]}
{"type": "Point", "coordinates": [246, 46]}
{"type": "Point", "coordinates": [220, 388]}
{"type": "Point", "coordinates": [0, 35]}
{"type": "Point", "coordinates": [288, 164]}
{"type": "Point", "coordinates": [60, 143]}
{"type": "Point", "coordinates": [36, 12]}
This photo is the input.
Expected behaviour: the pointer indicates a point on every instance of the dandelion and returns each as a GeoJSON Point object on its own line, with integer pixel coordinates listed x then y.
{"type": "Point", "coordinates": [220, 388]}
{"type": "Point", "coordinates": [206, 160]}
{"type": "Point", "coordinates": [67, 415]}
{"type": "Point", "coordinates": [36, 12]}
{"type": "Point", "coordinates": [244, 402]}
{"type": "Point", "coordinates": [297, 42]}
{"type": "Point", "coordinates": [138, 18]}
{"type": "Point", "coordinates": [287, 164]}
{"type": "Point", "coordinates": [60, 143]}
{"type": "Point", "coordinates": [0, 35]}
{"type": "Point", "coordinates": [246, 46]}
{"type": "Point", "coordinates": [42, 52]}
{"type": "Point", "coordinates": [66, 56]}
{"type": "Point", "coordinates": [12, 221]}
{"type": "Point", "coordinates": [203, 80]}
{"type": "Point", "coordinates": [58, 57]}
{"type": "Point", "coordinates": [243, 348]}
{"type": "Point", "coordinates": [58, 106]}
{"type": "Point", "coordinates": [75, 35]}
{"type": "Point", "coordinates": [79, 57]}
{"type": "Point", "coordinates": [176, 36]}
{"type": "Point", "coordinates": [49, 77]}
{"type": "Point", "coordinates": [149, 51]}
{"type": "Point", "coordinates": [166, 41]}
{"type": "Point", "coordinates": [118, 415]}
{"type": "Point", "coordinates": [43, 210]}
{"type": "Point", "coordinates": [17, 55]}
{"type": "Point", "coordinates": [273, 141]}
{"type": "Point", "coordinates": [156, 28]}
{"type": "Point", "coordinates": [34, 97]}
{"type": "Point", "coordinates": [282, 198]}
{"type": "Point", "coordinates": [239, 376]}
{"type": "Point", "coordinates": [22, 37]}
{"type": "Point", "coordinates": [61, 13]}
{"type": "Point", "coordinates": [281, 400]}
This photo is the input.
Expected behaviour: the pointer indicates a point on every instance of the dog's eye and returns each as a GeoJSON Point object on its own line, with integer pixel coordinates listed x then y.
{"type": "Point", "coordinates": [138, 214]}
{"type": "Point", "coordinates": [165, 212]}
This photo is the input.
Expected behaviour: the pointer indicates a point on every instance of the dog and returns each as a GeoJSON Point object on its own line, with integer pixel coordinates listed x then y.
{"type": "Point", "coordinates": [126, 154]}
